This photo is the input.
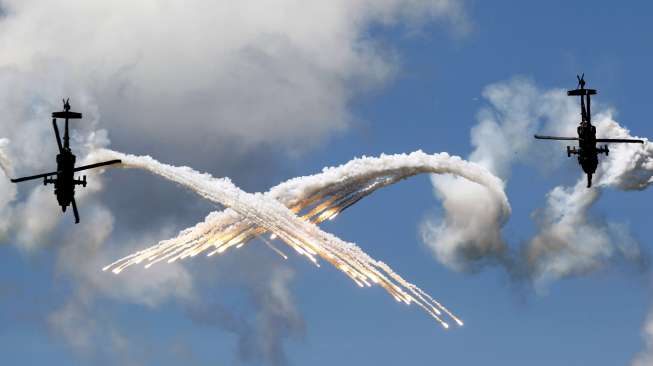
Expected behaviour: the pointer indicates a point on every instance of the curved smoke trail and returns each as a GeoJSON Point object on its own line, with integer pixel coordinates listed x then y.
{"type": "Point", "coordinates": [320, 197]}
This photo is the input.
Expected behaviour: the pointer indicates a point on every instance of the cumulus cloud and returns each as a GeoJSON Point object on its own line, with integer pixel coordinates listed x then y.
{"type": "Point", "coordinates": [261, 72]}
{"type": "Point", "coordinates": [227, 79]}
{"type": "Point", "coordinates": [208, 84]}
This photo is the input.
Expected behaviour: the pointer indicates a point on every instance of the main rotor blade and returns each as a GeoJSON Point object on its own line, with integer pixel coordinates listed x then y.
{"type": "Point", "coordinates": [556, 138]}
{"type": "Point", "coordinates": [67, 114]}
{"type": "Point", "coordinates": [75, 211]}
{"type": "Point", "coordinates": [628, 141]}
{"type": "Point", "coordinates": [33, 177]}
{"type": "Point", "coordinates": [56, 134]}
{"type": "Point", "coordinates": [91, 166]}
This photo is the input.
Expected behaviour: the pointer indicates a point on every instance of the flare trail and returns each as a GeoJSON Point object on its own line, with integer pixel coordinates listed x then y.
{"type": "Point", "coordinates": [290, 211]}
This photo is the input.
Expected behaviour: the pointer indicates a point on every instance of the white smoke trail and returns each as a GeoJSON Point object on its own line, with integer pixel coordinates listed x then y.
{"type": "Point", "coordinates": [7, 189]}
{"type": "Point", "coordinates": [332, 190]}
{"type": "Point", "coordinates": [645, 357]}
{"type": "Point", "coordinates": [569, 242]}
{"type": "Point", "coordinates": [323, 196]}
{"type": "Point", "coordinates": [469, 233]}
{"type": "Point", "coordinates": [630, 166]}
{"type": "Point", "coordinates": [5, 163]}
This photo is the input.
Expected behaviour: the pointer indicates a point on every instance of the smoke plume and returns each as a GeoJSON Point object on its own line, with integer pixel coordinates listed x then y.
{"type": "Point", "coordinates": [570, 239]}
{"type": "Point", "coordinates": [303, 235]}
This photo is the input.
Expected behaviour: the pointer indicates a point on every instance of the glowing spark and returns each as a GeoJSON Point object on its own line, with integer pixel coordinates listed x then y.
{"type": "Point", "coordinates": [322, 197]}
{"type": "Point", "coordinates": [274, 249]}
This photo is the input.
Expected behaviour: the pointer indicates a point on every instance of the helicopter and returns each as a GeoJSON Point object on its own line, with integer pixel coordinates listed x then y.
{"type": "Point", "coordinates": [587, 150]}
{"type": "Point", "coordinates": [64, 177]}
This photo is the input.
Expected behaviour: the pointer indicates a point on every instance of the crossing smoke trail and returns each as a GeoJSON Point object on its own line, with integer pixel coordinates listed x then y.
{"type": "Point", "coordinates": [315, 198]}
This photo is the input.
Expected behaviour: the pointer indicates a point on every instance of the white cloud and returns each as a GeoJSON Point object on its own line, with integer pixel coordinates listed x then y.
{"type": "Point", "coordinates": [645, 358]}
{"type": "Point", "coordinates": [86, 249]}
{"type": "Point", "coordinates": [179, 80]}
{"type": "Point", "coordinates": [188, 72]}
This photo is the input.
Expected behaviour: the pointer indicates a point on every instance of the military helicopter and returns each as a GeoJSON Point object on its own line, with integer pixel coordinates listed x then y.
{"type": "Point", "coordinates": [587, 151]}
{"type": "Point", "coordinates": [65, 182]}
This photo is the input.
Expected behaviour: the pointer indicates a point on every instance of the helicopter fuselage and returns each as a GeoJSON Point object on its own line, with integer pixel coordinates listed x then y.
{"type": "Point", "coordinates": [64, 183]}
{"type": "Point", "coordinates": [587, 152]}
{"type": "Point", "coordinates": [64, 177]}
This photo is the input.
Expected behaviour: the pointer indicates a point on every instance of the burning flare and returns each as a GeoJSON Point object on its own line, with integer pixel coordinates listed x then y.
{"type": "Point", "coordinates": [291, 210]}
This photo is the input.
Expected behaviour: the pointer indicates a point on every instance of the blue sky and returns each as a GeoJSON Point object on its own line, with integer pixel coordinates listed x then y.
{"type": "Point", "coordinates": [591, 320]}
{"type": "Point", "coordinates": [430, 103]}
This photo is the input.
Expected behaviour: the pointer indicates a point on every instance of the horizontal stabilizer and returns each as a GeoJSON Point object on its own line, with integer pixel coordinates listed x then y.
{"type": "Point", "coordinates": [628, 141]}
{"type": "Point", "coordinates": [96, 165]}
{"type": "Point", "coordinates": [33, 177]}
{"type": "Point", "coordinates": [556, 138]}
{"type": "Point", "coordinates": [581, 92]}
{"type": "Point", "coordinates": [67, 114]}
